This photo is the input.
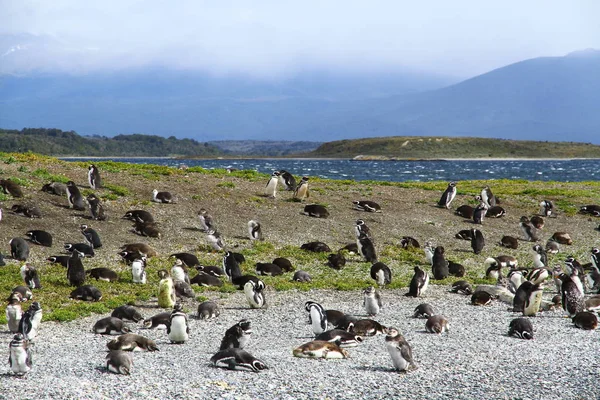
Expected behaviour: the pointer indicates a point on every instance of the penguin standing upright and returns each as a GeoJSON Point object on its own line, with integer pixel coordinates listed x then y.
{"type": "Point", "coordinates": [179, 272]}
{"type": "Point", "coordinates": [75, 270]}
{"type": "Point", "coordinates": [534, 300]}
{"type": "Point", "coordinates": [399, 350]}
{"type": "Point", "coordinates": [94, 177]}
{"type": "Point", "coordinates": [301, 191]}
{"type": "Point", "coordinates": [92, 237]}
{"type": "Point", "coordinates": [317, 317]}
{"type": "Point", "coordinates": [178, 328]}
{"type": "Point", "coordinates": [477, 241]}
{"type": "Point", "coordinates": [206, 220]}
{"type": "Point", "coordinates": [372, 301]}
{"type": "Point", "coordinates": [215, 239]}
{"type": "Point", "coordinates": [96, 207]}
{"type": "Point", "coordinates": [19, 249]}
{"type": "Point", "coordinates": [30, 276]}
{"type": "Point", "coordinates": [488, 197]}
{"type": "Point", "coordinates": [479, 213]}
{"type": "Point", "coordinates": [381, 273]}
{"type": "Point", "coordinates": [254, 230]}
{"type": "Point", "coordinates": [14, 312]}
{"type": "Point", "coordinates": [271, 188]}
{"type": "Point", "coordinates": [439, 264]}
{"type": "Point", "coordinates": [540, 258]}
{"type": "Point", "coordinates": [254, 292]}
{"type": "Point", "coordinates": [572, 297]}
{"type": "Point", "coordinates": [231, 267]}
{"type": "Point", "coordinates": [592, 278]}
{"type": "Point", "coordinates": [20, 359]}
{"type": "Point", "coordinates": [529, 231]}
{"type": "Point", "coordinates": [76, 200]}
{"type": "Point", "coordinates": [418, 283]}
{"type": "Point", "coordinates": [448, 195]}
{"type": "Point", "coordinates": [366, 248]}
{"type": "Point", "coordinates": [138, 270]}
{"type": "Point", "coordinates": [166, 290]}
{"type": "Point", "coordinates": [238, 336]}
{"type": "Point", "coordinates": [546, 208]}
{"type": "Point", "coordinates": [287, 180]}
{"type": "Point", "coordinates": [30, 321]}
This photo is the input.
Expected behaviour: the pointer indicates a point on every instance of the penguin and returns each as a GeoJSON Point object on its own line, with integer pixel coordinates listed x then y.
{"type": "Point", "coordinates": [423, 310]}
{"type": "Point", "coordinates": [366, 205]}
{"type": "Point", "coordinates": [157, 320]}
{"type": "Point", "coordinates": [334, 317]}
{"type": "Point", "coordinates": [573, 265]}
{"type": "Point", "coordinates": [552, 247]}
{"type": "Point", "coordinates": [481, 298]}
{"type": "Point", "coordinates": [284, 264]}
{"type": "Point", "coordinates": [19, 249]}
{"type": "Point", "coordinates": [55, 188]}
{"type": "Point", "coordinates": [94, 178]}
{"type": "Point", "coordinates": [428, 250]}
{"type": "Point", "coordinates": [237, 359]}
{"type": "Point", "coordinates": [538, 275]}
{"type": "Point", "coordinates": [208, 310]}
{"type": "Point", "coordinates": [585, 320]}
{"type": "Point", "coordinates": [439, 264]}
{"type": "Point", "coordinates": [537, 221]}
{"type": "Point", "coordinates": [178, 329]}
{"type": "Point", "coordinates": [268, 269]}
{"type": "Point", "coordinates": [316, 211]}
{"type": "Point", "coordinates": [418, 283]}
{"type": "Point", "coordinates": [166, 290]}
{"type": "Point", "coordinates": [110, 326]}
{"type": "Point", "coordinates": [344, 322]}
{"type": "Point", "coordinates": [241, 280]}
{"type": "Point", "coordinates": [366, 327]}
{"type": "Point", "coordinates": [187, 259]}
{"type": "Point", "coordinates": [399, 350]}
{"type": "Point", "coordinates": [462, 287]}
{"type": "Point", "coordinates": [540, 258]}
{"type": "Point", "coordinates": [521, 296]}
{"type": "Point", "coordinates": [24, 293]}
{"type": "Point", "coordinates": [317, 317]}
{"type": "Point", "coordinates": [509, 242]}
{"type": "Point", "coordinates": [30, 276]}
{"type": "Point", "coordinates": [96, 207]}
{"type": "Point", "coordinates": [521, 328]}
{"type": "Point", "coordinates": [302, 191]}
{"type": "Point", "coordinates": [591, 209]}
{"type": "Point", "coordinates": [231, 266]}
{"type": "Point", "coordinates": [287, 180]}
{"type": "Point", "coordinates": [271, 187]}
{"type": "Point", "coordinates": [138, 270]}
{"type": "Point", "coordinates": [254, 230]}
{"type": "Point", "coordinates": [254, 292]}
{"type": "Point", "coordinates": [148, 229]}
{"type": "Point", "coordinates": [592, 304]}
{"type": "Point", "coordinates": [127, 312]}
{"type": "Point", "coordinates": [592, 278]}
{"type": "Point", "coordinates": [534, 300]}
{"type": "Point", "coordinates": [83, 248]}
{"type": "Point", "coordinates": [301, 276]}
{"type": "Point", "coordinates": [507, 261]}
{"type": "Point", "coordinates": [366, 248]}
{"type": "Point", "coordinates": [74, 197]}
{"type": "Point", "coordinates": [465, 234]}
{"type": "Point", "coordinates": [372, 301]}
{"type": "Point", "coordinates": [179, 272]}
{"type": "Point", "coordinates": [437, 324]}
{"type": "Point", "coordinates": [448, 196]}
{"type": "Point", "coordinates": [465, 211]}
{"type": "Point", "coordinates": [119, 362]}
{"type": "Point", "coordinates": [42, 238]}
{"type": "Point", "coordinates": [14, 312]}
{"type": "Point", "coordinates": [336, 261]}
{"type": "Point", "coordinates": [138, 215]}
{"type": "Point", "coordinates": [361, 228]}
{"type": "Point", "coordinates": [20, 357]}
{"type": "Point", "coordinates": [408, 241]}
{"type": "Point", "coordinates": [75, 270]}
{"type": "Point", "coordinates": [495, 212]}
{"type": "Point", "coordinates": [11, 187]}
{"type": "Point", "coordinates": [238, 336]}
{"type": "Point", "coordinates": [340, 337]}
{"type": "Point", "coordinates": [572, 296]}
{"type": "Point", "coordinates": [215, 240]}
{"type": "Point", "coordinates": [205, 279]}
{"type": "Point", "coordinates": [529, 231]}
{"type": "Point", "coordinates": [140, 248]}
{"type": "Point", "coordinates": [132, 342]}
{"type": "Point", "coordinates": [28, 211]}
{"type": "Point", "coordinates": [30, 321]}
{"type": "Point", "coordinates": [562, 238]}
{"type": "Point", "coordinates": [183, 289]}
{"type": "Point", "coordinates": [92, 237]}
{"type": "Point", "coordinates": [477, 241]}
{"type": "Point", "coordinates": [351, 248]}
{"type": "Point", "coordinates": [86, 293]}
{"type": "Point", "coordinates": [479, 213]}
{"type": "Point", "coordinates": [206, 221]}
{"type": "Point", "coordinates": [381, 273]}
{"type": "Point", "coordinates": [488, 197]}
{"type": "Point", "coordinates": [162, 197]}
{"type": "Point", "coordinates": [515, 279]}
{"type": "Point", "coordinates": [546, 208]}
{"type": "Point", "coordinates": [317, 247]}
{"type": "Point", "coordinates": [320, 349]}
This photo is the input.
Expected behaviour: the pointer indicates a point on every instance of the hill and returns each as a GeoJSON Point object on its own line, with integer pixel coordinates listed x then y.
{"type": "Point", "coordinates": [268, 148]}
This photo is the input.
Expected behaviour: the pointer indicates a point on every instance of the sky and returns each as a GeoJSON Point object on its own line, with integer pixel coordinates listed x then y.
{"type": "Point", "coordinates": [281, 38]}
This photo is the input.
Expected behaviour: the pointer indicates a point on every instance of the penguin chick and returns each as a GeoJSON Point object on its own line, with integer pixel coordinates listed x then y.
{"type": "Point", "coordinates": [208, 309]}
{"type": "Point", "coordinates": [437, 324]}
{"type": "Point", "coordinates": [423, 310]}
{"type": "Point", "coordinates": [372, 301]}
{"type": "Point", "coordinates": [119, 362]}
{"type": "Point", "coordinates": [399, 350]}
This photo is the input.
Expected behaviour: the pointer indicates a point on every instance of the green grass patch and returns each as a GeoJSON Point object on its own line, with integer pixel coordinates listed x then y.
{"type": "Point", "coordinates": [119, 191]}
{"type": "Point", "coordinates": [46, 176]}
{"type": "Point", "coordinates": [228, 185]}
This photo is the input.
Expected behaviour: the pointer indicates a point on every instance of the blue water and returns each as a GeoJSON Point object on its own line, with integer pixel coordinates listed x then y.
{"type": "Point", "coordinates": [400, 171]}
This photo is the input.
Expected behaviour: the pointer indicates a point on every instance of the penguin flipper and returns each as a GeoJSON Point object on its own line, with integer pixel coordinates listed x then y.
{"type": "Point", "coordinates": [406, 353]}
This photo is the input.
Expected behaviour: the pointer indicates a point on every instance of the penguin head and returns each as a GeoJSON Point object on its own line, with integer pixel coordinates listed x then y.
{"type": "Point", "coordinates": [178, 307]}
{"type": "Point", "coordinates": [595, 250]}
{"type": "Point", "coordinates": [370, 291]}
{"type": "Point", "coordinates": [163, 273]}
{"type": "Point", "coordinates": [439, 250]}
{"type": "Point", "coordinates": [524, 220]}
{"type": "Point", "coordinates": [393, 332]}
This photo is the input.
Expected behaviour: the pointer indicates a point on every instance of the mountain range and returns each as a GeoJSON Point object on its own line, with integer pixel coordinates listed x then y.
{"type": "Point", "coordinates": [546, 98]}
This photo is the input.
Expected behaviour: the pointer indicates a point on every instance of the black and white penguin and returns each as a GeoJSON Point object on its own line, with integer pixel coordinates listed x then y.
{"type": "Point", "coordinates": [462, 287]}
{"type": "Point", "coordinates": [540, 258]}
{"type": "Point", "coordinates": [254, 230]}
{"type": "Point", "coordinates": [320, 349]}
{"type": "Point", "coordinates": [132, 342]}
{"type": "Point", "coordinates": [479, 213]}
{"type": "Point", "coordinates": [521, 328]}
{"type": "Point", "coordinates": [86, 293]}
{"type": "Point", "coordinates": [42, 238]}
{"type": "Point", "coordinates": [538, 275]}
{"type": "Point", "coordinates": [552, 247]}
{"type": "Point", "coordinates": [448, 195]}
{"type": "Point", "coordinates": [96, 207]}
{"type": "Point", "coordinates": [488, 197]}
{"type": "Point", "coordinates": [529, 231]}
{"type": "Point", "coordinates": [340, 337]}
{"type": "Point", "coordinates": [408, 241]}
{"type": "Point", "coordinates": [20, 357]}
{"type": "Point", "coordinates": [74, 197]}
{"type": "Point", "coordinates": [456, 269]}
{"type": "Point", "coordinates": [255, 295]}
{"type": "Point", "coordinates": [94, 178]}
{"type": "Point", "coordinates": [231, 266]}
{"type": "Point", "coordinates": [287, 180]}
{"type": "Point", "coordinates": [316, 247]}
{"type": "Point", "coordinates": [127, 312]}
{"type": "Point", "coordinates": [110, 326]}
{"type": "Point", "coordinates": [465, 211]}
{"type": "Point", "coordinates": [215, 240]}
{"type": "Point", "coordinates": [206, 279]}
{"type": "Point", "coordinates": [316, 211]}
{"type": "Point", "coordinates": [381, 273]}
{"type": "Point", "coordinates": [30, 276]}
{"type": "Point", "coordinates": [592, 278]}
{"type": "Point", "coordinates": [477, 241]}
{"type": "Point", "coordinates": [366, 327]}
{"type": "Point", "coordinates": [366, 248]}
{"type": "Point", "coordinates": [372, 301]}
{"type": "Point", "coordinates": [481, 298]}
{"type": "Point", "coordinates": [92, 237]}
{"type": "Point", "coordinates": [493, 268]}
{"type": "Point", "coordinates": [24, 293]}
{"type": "Point", "coordinates": [495, 212]}
{"type": "Point", "coordinates": [238, 336]}
{"type": "Point", "coordinates": [361, 228]}
{"type": "Point", "coordinates": [534, 300]}
{"type": "Point", "coordinates": [187, 259]}
{"type": "Point", "coordinates": [301, 276]}
{"type": "Point", "coordinates": [56, 188]}
{"type": "Point", "coordinates": [546, 208]}
{"type": "Point", "coordinates": [28, 211]}
{"type": "Point", "coordinates": [84, 248]}
{"type": "Point", "coordinates": [302, 191]}
{"type": "Point", "coordinates": [75, 270]}
{"type": "Point", "coordinates": [509, 242]}
{"type": "Point", "coordinates": [19, 249]}
{"type": "Point", "coordinates": [572, 296]}
{"type": "Point", "coordinates": [439, 264]}
{"type": "Point", "coordinates": [206, 220]}
{"type": "Point", "coordinates": [465, 234]}
{"type": "Point", "coordinates": [157, 320]}
{"type": "Point", "coordinates": [336, 261]}
{"type": "Point", "coordinates": [178, 329]}
{"type": "Point", "coordinates": [11, 187]}
{"type": "Point", "coordinates": [162, 197]}
{"type": "Point", "coordinates": [591, 209]}
{"type": "Point", "coordinates": [269, 269]}
{"type": "Point", "coordinates": [366, 205]}
{"type": "Point", "coordinates": [138, 270]}
{"type": "Point", "coordinates": [418, 283]}
{"type": "Point", "coordinates": [317, 317]}
{"type": "Point", "coordinates": [179, 271]}
{"type": "Point", "coordinates": [208, 310]}
{"type": "Point", "coordinates": [423, 310]}
{"type": "Point", "coordinates": [437, 324]}
{"type": "Point", "coordinates": [14, 312]}
{"type": "Point", "coordinates": [119, 362]}
{"type": "Point", "coordinates": [30, 321]}
{"type": "Point", "coordinates": [284, 264]}
{"type": "Point", "coordinates": [271, 187]}
{"type": "Point", "coordinates": [237, 359]}
{"type": "Point", "coordinates": [138, 216]}
{"type": "Point", "coordinates": [428, 250]}
{"type": "Point", "coordinates": [515, 280]}
{"type": "Point", "coordinates": [399, 350]}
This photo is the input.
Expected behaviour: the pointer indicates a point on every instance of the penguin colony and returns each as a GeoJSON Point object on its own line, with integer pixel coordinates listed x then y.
{"type": "Point", "coordinates": [574, 281]}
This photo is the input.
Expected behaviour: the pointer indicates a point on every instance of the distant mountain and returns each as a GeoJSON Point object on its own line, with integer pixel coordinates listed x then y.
{"type": "Point", "coordinates": [271, 148]}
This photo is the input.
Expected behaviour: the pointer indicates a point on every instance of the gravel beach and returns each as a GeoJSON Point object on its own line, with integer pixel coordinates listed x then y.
{"type": "Point", "coordinates": [475, 360]}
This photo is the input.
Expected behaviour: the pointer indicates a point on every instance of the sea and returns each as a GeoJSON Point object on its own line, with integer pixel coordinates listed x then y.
{"type": "Point", "coordinates": [563, 170]}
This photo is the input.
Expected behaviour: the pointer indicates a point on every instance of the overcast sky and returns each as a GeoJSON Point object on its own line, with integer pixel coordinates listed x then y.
{"type": "Point", "coordinates": [278, 38]}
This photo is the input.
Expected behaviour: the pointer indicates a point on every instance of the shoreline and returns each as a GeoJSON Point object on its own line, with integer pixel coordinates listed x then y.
{"type": "Point", "coordinates": [325, 158]}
